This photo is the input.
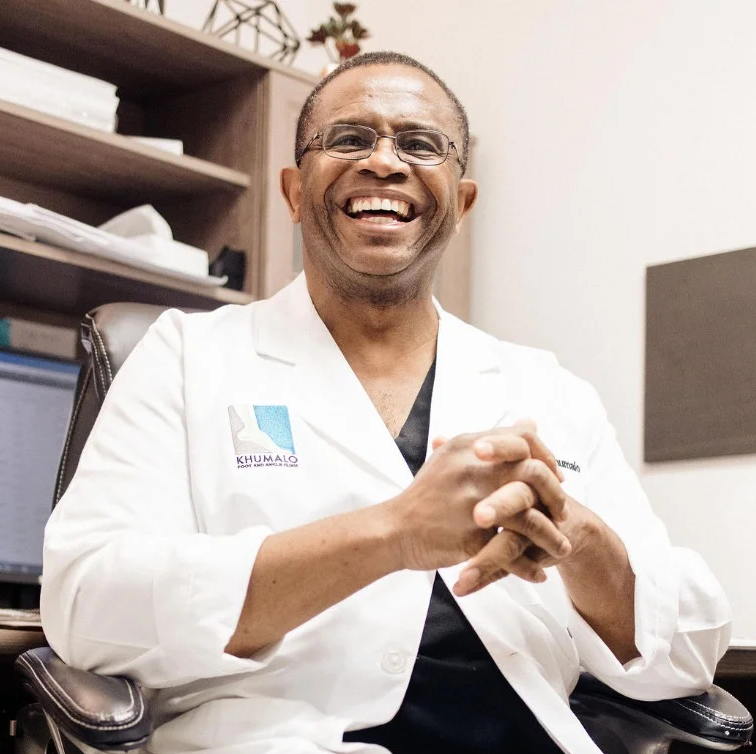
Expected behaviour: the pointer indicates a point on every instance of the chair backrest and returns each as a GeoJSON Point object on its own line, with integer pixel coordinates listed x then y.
{"type": "Point", "coordinates": [109, 334]}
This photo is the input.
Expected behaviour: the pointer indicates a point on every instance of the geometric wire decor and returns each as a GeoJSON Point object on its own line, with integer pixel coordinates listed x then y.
{"type": "Point", "coordinates": [153, 5]}
{"type": "Point", "coordinates": [262, 23]}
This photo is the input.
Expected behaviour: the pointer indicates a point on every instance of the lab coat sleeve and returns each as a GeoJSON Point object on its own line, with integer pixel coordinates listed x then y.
{"type": "Point", "coordinates": [682, 618]}
{"type": "Point", "coordinates": [129, 584]}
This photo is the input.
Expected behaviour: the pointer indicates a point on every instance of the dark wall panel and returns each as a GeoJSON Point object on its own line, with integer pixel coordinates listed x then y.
{"type": "Point", "coordinates": [701, 357]}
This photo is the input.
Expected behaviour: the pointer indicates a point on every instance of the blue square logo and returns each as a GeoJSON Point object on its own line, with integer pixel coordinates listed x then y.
{"type": "Point", "coordinates": [261, 429]}
{"type": "Point", "coordinates": [274, 421]}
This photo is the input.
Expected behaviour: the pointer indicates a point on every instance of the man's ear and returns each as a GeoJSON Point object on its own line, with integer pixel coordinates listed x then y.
{"type": "Point", "coordinates": [467, 193]}
{"type": "Point", "coordinates": [291, 188]}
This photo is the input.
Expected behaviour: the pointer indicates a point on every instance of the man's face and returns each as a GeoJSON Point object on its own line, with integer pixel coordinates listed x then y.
{"type": "Point", "coordinates": [364, 251]}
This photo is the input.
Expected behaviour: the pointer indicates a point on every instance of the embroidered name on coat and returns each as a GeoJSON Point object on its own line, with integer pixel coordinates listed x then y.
{"type": "Point", "coordinates": [571, 465]}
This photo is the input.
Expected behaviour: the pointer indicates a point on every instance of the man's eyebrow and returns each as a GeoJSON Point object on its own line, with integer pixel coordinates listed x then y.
{"type": "Point", "coordinates": [404, 125]}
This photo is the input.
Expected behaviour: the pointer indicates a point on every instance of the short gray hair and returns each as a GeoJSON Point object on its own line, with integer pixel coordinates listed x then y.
{"type": "Point", "coordinates": [304, 124]}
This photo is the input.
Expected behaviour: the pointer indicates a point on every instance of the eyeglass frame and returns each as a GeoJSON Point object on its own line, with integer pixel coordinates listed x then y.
{"type": "Point", "coordinates": [319, 134]}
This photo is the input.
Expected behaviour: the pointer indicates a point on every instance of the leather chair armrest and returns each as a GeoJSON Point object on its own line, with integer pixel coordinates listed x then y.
{"type": "Point", "coordinates": [106, 713]}
{"type": "Point", "coordinates": [714, 719]}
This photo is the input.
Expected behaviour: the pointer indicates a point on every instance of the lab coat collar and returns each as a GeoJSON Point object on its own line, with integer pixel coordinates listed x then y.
{"type": "Point", "coordinates": [469, 394]}
{"type": "Point", "coordinates": [472, 391]}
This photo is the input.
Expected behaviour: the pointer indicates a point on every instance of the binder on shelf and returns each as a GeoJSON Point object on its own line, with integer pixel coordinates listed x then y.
{"type": "Point", "coordinates": [25, 335]}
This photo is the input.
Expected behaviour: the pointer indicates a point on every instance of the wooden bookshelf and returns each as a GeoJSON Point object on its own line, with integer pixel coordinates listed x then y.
{"type": "Point", "coordinates": [70, 282]}
{"type": "Point", "coordinates": [173, 82]}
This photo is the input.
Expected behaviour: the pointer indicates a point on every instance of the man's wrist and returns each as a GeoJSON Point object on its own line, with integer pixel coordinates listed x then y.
{"type": "Point", "coordinates": [587, 534]}
{"type": "Point", "coordinates": [387, 535]}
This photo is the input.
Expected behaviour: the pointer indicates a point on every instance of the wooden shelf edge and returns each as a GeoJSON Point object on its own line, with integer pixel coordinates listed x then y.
{"type": "Point", "coordinates": [126, 45]}
{"type": "Point", "coordinates": [227, 177]}
{"type": "Point", "coordinates": [117, 269]}
{"type": "Point", "coordinates": [204, 38]}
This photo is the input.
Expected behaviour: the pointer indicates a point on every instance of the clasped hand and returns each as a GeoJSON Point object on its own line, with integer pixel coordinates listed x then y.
{"type": "Point", "coordinates": [493, 498]}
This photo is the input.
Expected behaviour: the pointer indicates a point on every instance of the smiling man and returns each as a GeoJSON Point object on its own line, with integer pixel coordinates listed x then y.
{"type": "Point", "coordinates": [341, 519]}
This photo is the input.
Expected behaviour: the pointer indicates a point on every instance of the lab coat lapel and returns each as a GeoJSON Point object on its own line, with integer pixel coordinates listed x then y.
{"type": "Point", "coordinates": [471, 393]}
{"type": "Point", "coordinates": [326, 392]}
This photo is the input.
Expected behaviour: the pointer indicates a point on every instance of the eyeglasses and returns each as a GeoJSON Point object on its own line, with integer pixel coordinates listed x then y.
{"type": "Point", "coordinates": [343, 141]}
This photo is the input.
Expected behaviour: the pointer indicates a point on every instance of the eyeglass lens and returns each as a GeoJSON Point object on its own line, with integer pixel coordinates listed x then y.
{"type": "Point", "coordinates": [352, 142]}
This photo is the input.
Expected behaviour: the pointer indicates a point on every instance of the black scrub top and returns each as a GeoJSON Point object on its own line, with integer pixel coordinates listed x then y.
{"type": "Point", "coordinates": [457, 701]}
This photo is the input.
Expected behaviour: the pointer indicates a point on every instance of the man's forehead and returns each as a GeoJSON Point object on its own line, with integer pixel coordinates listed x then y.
{"type": "Point", "coordinates": [391, 93]}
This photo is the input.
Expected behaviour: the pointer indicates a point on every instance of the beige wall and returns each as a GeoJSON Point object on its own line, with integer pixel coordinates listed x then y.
{"type": "Point", "coordinates": [613, 134]}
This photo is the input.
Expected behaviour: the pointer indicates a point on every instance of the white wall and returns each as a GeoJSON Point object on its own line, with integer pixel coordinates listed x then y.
{"type": "Point", "coordinates": [613, 134]}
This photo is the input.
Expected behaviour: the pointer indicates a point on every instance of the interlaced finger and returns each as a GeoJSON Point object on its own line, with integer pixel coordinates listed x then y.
{"type": "Point", "coordinates": [496, 445]}
{"type": "Point", "coordinates": [502, 446]}
{"type": "Point", "coordinates": [503, 555]}
{"type": "Point", "coordinates": [505, 502]}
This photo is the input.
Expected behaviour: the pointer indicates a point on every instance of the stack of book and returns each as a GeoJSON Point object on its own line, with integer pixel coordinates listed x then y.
{"type": "Point", "coordinates": [17, 334]}
{"type": "Point", "coordinates": [57, 91]}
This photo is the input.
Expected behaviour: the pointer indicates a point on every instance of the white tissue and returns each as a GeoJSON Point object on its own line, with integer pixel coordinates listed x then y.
{"type": "Point", "coordinates": [140, 221]}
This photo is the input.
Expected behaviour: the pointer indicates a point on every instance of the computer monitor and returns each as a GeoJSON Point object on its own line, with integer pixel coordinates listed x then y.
{"type": "Point", "coordinates": [36, 396]}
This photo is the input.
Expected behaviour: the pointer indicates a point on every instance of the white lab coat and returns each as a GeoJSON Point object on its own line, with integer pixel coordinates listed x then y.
{"type": "Point", "coordinates": [148, 555]}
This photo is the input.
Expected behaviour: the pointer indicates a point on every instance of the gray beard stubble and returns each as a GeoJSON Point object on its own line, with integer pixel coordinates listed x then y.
{"type": "Point", "coordinates": [381, 290]}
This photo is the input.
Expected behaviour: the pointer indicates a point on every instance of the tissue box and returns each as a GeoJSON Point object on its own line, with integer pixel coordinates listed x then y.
{"type": "Point", "coordinates": [148, 229]}
{"type": "Point", "coordinates": [175, 255]}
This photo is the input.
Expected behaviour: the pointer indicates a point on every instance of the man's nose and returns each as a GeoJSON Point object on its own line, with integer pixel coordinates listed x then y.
{"type": "Point", "coordinates": [384, 160]}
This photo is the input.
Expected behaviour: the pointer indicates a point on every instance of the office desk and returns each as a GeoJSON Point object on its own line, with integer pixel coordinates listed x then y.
{"type": "Point", "coordinates": [738, 662]}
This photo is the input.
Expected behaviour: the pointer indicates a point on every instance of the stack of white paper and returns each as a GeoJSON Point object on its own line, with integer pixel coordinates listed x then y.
{"type": "Point", "coordinates": [36, 223]}
{"type": "Point", "coordinates": [57, 91]}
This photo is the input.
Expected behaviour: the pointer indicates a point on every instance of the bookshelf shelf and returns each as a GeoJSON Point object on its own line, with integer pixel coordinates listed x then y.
{"type": "Point", "coordinates": [70, 282]}
{"type": "Point", "coordinates": [50, 151]}
{"type": "Point", "coordinates": [171, 57]}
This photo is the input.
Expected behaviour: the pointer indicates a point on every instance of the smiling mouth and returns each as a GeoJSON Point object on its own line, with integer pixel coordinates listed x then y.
{"type": "Point", "coordinates": [379, 210]}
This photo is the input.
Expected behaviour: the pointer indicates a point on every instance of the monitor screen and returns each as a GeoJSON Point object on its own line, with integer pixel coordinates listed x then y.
{"type": "Point", "coordinates": [36, 396]}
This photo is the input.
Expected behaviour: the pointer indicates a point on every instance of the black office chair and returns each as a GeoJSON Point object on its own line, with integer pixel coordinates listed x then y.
{"type": "Point", "coordinates": [111, 714]}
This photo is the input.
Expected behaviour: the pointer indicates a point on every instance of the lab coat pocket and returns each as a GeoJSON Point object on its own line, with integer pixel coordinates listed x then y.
{"type": "Point", "coordinates": [550, 605]}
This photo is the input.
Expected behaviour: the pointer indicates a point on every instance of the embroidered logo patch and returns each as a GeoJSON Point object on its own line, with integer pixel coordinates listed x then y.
{"type": "Point", "coordinates": [262, 436]}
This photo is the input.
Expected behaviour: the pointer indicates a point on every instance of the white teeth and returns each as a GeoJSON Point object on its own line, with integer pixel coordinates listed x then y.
{"type": "Point", "coordinates": [376, 204]}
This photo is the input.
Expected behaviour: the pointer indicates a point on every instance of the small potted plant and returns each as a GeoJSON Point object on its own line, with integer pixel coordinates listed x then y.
{"type": "Point", "coordinates": [344, 32]}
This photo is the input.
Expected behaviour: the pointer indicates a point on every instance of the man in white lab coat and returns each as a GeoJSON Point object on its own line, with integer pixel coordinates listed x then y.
{"type": "Point", "coordinates": [244, 533]}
